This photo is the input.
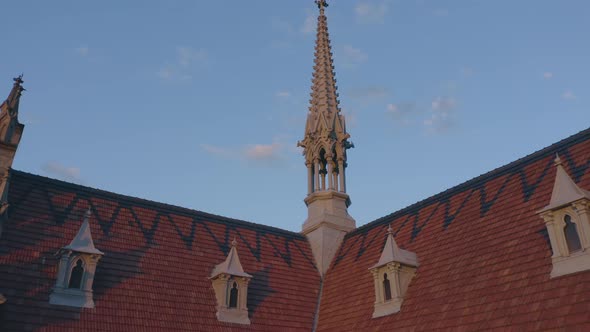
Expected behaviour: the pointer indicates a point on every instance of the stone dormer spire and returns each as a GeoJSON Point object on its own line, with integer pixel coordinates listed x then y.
{"type": "Point", "coordinates": [10, 133]}
{"type": "Point", "coordinates": [83, 241]}
{"type": "Point", "coordinates": [565, 190]}
{"type": "Point", "coordinates": [392, 253]}
{"type": "Point", "coordinates": [10, 105]}
{"type": "Point", "coordinates": [231, 265]}
{"type": "Point", "coordinates": [324, 146]}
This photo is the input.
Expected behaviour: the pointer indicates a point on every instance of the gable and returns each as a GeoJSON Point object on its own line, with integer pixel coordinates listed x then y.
{"type": "Point", "coordinates": [484, 255]}
{"type": "Point", "coordinates": [156, 266]}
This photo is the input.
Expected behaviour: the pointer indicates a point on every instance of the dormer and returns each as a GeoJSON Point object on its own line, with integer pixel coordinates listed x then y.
{"type": "Point", "coordinates": [568, 224]}
{"type": "Point", "coordinates": [230, 284]}
{"type": "Point", "coordinates": [77, 266]}
{"type": "Point", "coordinates": [392, 276]}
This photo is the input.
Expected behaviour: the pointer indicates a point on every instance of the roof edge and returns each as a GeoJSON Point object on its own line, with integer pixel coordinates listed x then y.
{"type": "Point", "coordinates": [146, 203]}
{"type": "Point", "coordinates": [535, 156]}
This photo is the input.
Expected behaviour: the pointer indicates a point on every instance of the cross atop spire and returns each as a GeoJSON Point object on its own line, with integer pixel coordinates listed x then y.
{"type": "Point", "coordinates": [322, 4]}
{"type": "Point", "coordinates": [10, 105]}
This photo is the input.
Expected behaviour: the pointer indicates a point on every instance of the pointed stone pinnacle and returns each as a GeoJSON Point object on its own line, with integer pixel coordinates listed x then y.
{"type": "Point", "coordinates": [390, 230]}
{"type": "Point", "coordinates": [557, 160]}
{"type": "Point", "coordinates": [234, 243]}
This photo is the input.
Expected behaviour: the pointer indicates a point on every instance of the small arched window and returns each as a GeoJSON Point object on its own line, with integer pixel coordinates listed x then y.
{"type": "Point", "coordinates": [233, 296]}
{"type": "Point", "coordinates": [76, 276]}
{"type": "Point", "coordinates": [571, 235]}
{"type": "Point", "coordinates": [386, 287]}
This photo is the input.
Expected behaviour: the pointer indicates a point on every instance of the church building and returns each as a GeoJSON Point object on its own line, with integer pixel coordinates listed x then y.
{"type": "Point", "coordinates": [507, 250]}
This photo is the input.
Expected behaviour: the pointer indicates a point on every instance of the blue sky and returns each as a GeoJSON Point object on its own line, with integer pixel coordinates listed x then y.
{"type": "Point", "coordinates": [201, 103]}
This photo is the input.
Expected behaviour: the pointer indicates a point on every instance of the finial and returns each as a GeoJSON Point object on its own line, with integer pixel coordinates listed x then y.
{"type": "Point", "coordinates": [390, 230]}
{"type": "Point", "coordinates": [19, 79]}
{"type": "Point", "coordinates": [88, 213]}
{"type": "Point", "coordinates": [234, 243]}
{"type": "Point", "coordinates": [321, 4]}
{"type": "Point", "coordinates": [557, 160]}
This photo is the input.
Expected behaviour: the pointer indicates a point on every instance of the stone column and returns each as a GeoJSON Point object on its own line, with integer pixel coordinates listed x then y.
{"type": "Point", "coordinates": [309, 178]}
{"type": "Point", "coordinates": [342, 176]}
{"type": "Point", "coordinates": [330, 174]}
{"type": "Point", "coordinates": [316, 162]}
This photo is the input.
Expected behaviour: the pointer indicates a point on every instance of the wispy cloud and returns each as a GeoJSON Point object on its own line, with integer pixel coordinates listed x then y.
{"type": "Point", "coordinates": [82, 50]}
{"type": "Point", "coordinates": [568, 95]}
{"type": "Point", "coordinates": [371, 11]}
{"type": "Point", "coordinates": [53, 168]}
{"type": "Point", "coordinates": [272, 154]}
{"type": "Point", "coordinates": [547, 75]}
{"type": "Point", "coordinates": [263, 152]}
{"type": "Point", "coordinates": [441, 116]}
{"type": "Point", "coordinates": [282, 25]}
{"type": "Point", "coordinates": [402, 114]}
{"type": "Point", "coordinates": [182, 67]}
{"type": "Point", "coordinates": [371, 92]}
{"type": "Point", "coordinates": [283, 94]}
{"type": "Point", "coordinates": [308, 26]}
{"type": "Point", "coordinates": [353, 56]}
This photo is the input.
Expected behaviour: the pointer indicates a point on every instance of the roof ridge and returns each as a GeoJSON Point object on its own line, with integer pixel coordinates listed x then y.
{"type": "Point", "coordinates": [146, 203]}
{"type": "Point", "coordinates": [539, 154]}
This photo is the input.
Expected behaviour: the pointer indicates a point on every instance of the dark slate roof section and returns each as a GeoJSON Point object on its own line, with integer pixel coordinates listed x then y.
{"type": "Point", "coordinates": [484, 254]}
{"type": "Point", "coordinates": [156, 267]}
{"type": "Point", "coordinates": [515, 166]}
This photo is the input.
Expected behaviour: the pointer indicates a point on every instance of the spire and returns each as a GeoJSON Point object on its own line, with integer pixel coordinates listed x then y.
{"type": "Point", "coordinates": [10, 105]}
{"type": "Point", "coordinates": [324, 146]}
{"type": "Point", "coordinates": [565, 190]}
{"type": "Point", "coordinates": [83, 240]}
{"type": "Point", "coordinates": [231, 265]}
{"type": "Point", "coordinates": [392, 253]}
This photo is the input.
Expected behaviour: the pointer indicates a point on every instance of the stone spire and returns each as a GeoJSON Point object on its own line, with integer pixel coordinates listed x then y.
{"type": "Point", "coordinates": [231, 265]}
{"type": "Point", "coordinates": [10, 133]}
{"type": "Point", "coordinates": [565, 190]}
{"type": "Point", "coordinates": [324, 146]}
{"type": "Point", "coordinates": [83, 241]}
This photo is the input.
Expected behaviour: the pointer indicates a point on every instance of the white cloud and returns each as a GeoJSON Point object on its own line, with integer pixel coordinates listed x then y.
{"type": "Point", "coordinates": [182, 67]}
{"type": "Point", "coordinates": [280, 24]}
{"type": "Point", "coordinates": [216, 150]}
{"type": "Point", "coordinates": [402, 114]}
{"type": "Point", "coordinates": [441, 116]}
{"type": "Point", "coordinates": [568, 95]}
{"type": "Point", "coordinates": [547, 75]}
{"type": "Point", "coordinates": [353, 56]}
{"type": "Point", "coordinates": [371, 92]}
{"type": "Point", "coordinates": [371, 12]}
{"type": "Point", "coordinates": [263, 152]}
{"type": "Point", "coordinates": [283, 94]}
{"type": "Point", "coordinates": [309, 23]}
{"type": "Point", "coordinates": [60, 171]}
{"type": "Point", "coordinates": [443, 104]}
{"type": "Point", "coordinates": [82, 50]}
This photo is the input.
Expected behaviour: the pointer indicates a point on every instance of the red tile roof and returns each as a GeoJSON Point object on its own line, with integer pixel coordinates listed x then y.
{"type": "Point", "coordinates": [158, 258]}
{"type": "Point", "coordinates": [484, 257]}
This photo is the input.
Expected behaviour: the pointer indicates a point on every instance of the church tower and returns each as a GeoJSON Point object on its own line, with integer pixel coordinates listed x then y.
{"type": "Point", "coordinates": [324, 147]}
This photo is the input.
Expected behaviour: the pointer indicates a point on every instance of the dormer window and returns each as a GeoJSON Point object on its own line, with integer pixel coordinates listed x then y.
{"type": "Point", "coordinates": [392, 276]}
{"type": "Point", "coordinates": [230, 284]}
{"type": "Point", "coordinates": [567, 218]}
{"type": "Point", "coordinates": [77, 266]}
{"type": "Point", "coordinates": [76, 275]}
{"type": "Point", "coordinates": [571, 235]}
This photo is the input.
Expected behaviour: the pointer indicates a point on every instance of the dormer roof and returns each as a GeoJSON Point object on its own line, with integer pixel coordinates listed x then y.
{"type": "Point", "coordinates": [392, 253]}
{"type": "Point", "coordinates": [231, 265]}
{"type": "Point", "coordinates": [565, 190]}
{"type": "Point", "coordinates": [83, 241]}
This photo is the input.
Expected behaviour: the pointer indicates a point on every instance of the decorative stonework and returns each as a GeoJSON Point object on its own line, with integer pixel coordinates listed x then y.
{"type": "Point", "coordinates": [230, 284]}
{"type": "Point", "coordinates": [567, 218]}
{"type": "Point", "coordinates": [324, 146]}
{"type": "Point", "coordinates": [77, 267]}
{"type": "Point", "coordinates": [10, 134]}
{"type": "Point", "coordinates": [392, 276]}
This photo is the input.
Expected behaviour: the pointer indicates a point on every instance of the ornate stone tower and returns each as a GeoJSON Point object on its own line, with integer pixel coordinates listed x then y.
{"type": "Point", "coordinates": [10, 133]}
{"type": "Point", "coordinates": [325, 144]}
